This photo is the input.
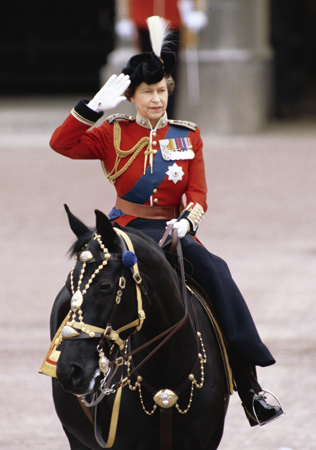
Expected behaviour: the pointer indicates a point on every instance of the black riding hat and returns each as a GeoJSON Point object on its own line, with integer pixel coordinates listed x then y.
{"type": "Point", "coordinates": [151, 67]}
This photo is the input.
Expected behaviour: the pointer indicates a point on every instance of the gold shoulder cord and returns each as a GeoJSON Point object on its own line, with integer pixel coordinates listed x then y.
{"type": "Point", "coordinates": [114, 174]}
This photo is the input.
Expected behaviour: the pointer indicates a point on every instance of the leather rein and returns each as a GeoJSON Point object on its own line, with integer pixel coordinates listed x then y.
{"type": "Point", "coordinates": [166, 441]}
{"type": "Point", "coordinates": [167, 334]}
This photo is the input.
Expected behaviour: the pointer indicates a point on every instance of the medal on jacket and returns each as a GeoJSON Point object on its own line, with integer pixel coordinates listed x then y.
{"type": "Point", "coordinates": [175, 173]}
{"type": "Point", "coordinates": [176, 149]}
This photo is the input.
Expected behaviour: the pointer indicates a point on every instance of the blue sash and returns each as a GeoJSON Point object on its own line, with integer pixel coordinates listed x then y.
{"type": "Point", "coordinates": [143, 188]}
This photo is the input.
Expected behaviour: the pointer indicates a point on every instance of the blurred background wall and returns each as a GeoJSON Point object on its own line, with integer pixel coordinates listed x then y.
{"type": "Point", "coordinates": [54, 47]}
{"type": "Point", "coordinates": [256, 60]}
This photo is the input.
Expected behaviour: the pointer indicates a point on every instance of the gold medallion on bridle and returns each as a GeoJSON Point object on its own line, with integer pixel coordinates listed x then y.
{"type": "Point", "coordinates": [68, 332]}
{"type": "Point", "coordinates": [104, 364]}
{"type": "Point", "coordinates": [85, 256]}
{"type": "Point", "coordinates": [76, 301]}
{"type": "Point", "coordinates": [165, 398]}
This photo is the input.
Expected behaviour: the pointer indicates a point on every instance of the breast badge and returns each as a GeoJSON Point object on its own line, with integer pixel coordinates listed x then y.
{"type": "Point", "coordinates": [175, 173]}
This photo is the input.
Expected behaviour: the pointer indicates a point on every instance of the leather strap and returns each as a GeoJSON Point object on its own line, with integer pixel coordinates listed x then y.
{"type": "Point", "coordinates": [141, 315]}
{"type": "Point", "coordinates": [86, 410]}
{"type": "Point", "coordinates": [113, 423]}
{"type": "Point", "coordinates": [162, 241]}
{"type": "Point", "coordinates": [250, 373]}
{"type": "Point", "coordinates": [147, 212]}
{"type": "Point", "coordinates": [185, 383]}
{"type": "Point", "coordinates": [166, 428]}
{"type": "Point", "coordinates": [165, 416]}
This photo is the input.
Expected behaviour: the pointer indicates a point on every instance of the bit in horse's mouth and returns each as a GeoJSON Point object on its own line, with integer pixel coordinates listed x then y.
{"type": "Point", "coordinates": [97, 373]}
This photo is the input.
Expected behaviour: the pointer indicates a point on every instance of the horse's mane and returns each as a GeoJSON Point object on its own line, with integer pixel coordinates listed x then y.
{"type": "Point", "coordinates": [134, 232]}
{"type": "Point", "coordinates": [86, 238]}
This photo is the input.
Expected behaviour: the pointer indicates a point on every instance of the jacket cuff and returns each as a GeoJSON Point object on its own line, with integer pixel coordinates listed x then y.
{"type": "Point", "coordinates": [193, 214]}
{"type": "Point", "coordinates": [194, 217]}
{"type": "Point", "coordinates": [84, 114]}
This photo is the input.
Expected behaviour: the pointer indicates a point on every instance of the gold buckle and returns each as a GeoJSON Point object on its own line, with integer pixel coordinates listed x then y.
{"type": "Point", "coordinates": [124, 382]}
{"type": "Point", "coordinates": [141, 318]}
{"type": "Point", "coordinates": [119, 361]}
{"type": "Point", "coordinates": [109, 333]}
{"type": "Point", "coordinates": [122, 283]}
{"type": "Point", "coordinates": [137, 278]}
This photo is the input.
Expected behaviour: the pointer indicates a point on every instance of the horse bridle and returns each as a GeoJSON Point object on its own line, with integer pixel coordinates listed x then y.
{"type": "Point", "coordinates": [108, 334]}
{"type": "Point", "coordinates": [80, 330]}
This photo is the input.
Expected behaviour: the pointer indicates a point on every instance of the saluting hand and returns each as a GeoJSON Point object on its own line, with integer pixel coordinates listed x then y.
{"type": "Point", "coordinates": [110, 95]}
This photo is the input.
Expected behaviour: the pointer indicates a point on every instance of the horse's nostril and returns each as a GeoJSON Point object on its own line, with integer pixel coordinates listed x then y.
{"type": "Point", "coordinates": [76, 374]}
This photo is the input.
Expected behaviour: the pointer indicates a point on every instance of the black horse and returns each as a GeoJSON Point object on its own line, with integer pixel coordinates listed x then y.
{"type": "Point", "coordinates": [154, 349]}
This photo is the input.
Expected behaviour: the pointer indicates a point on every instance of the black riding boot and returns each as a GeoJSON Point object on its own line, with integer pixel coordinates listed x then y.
{"type": "Point", "coordinates": [258, 411]}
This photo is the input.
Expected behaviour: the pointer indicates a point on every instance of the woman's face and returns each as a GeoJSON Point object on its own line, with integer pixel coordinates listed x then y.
{"type": "Point", "coordinates": [151, 100]}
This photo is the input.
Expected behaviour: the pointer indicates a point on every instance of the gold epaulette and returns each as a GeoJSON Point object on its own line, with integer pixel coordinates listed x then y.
{"type": "Point", "coordinates": [119, 116]}
{"type": "Point", "coordinates": [183, 123]}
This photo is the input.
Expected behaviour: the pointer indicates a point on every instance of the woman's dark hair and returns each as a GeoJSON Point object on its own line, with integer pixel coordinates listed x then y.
{"type": "Point", "coordinates": [130, 91]}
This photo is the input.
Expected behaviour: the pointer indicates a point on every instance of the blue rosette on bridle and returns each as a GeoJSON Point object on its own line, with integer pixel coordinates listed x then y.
{"type": "Point", "coordinates": [129, 259]}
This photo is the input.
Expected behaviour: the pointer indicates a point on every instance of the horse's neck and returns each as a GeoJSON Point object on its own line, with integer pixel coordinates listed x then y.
{"type": "Point", "coordinates": [181, 349]}
{"type": "Point", "coordinates": [166, 310]}
{"type": "Point", "coordinates": [167, 305]}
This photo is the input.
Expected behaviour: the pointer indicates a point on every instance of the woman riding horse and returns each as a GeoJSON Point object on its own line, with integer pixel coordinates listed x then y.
{"type": "Point", "coordinates": [153, 162]}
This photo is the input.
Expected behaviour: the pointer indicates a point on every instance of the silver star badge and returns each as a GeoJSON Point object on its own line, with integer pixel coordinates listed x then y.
{"type": "Point", "coordinates": [175, 173]}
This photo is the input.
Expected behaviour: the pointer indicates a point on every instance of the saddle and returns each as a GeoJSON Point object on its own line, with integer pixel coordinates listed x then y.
{"type": "Point", "coordinates": [173, 254]}
{"type": "Point", "coordinates": [196, 291]}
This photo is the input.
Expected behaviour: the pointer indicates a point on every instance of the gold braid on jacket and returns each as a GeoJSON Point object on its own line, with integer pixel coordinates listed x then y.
{"type": "Point", "coordinates": [115, 173]}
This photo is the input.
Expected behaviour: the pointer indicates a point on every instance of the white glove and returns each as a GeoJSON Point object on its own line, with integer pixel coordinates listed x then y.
{"type": "Point", "coordinates": [183, 226]}
{"type": "Point", "coordinates": [196, 21]}
{"type": "Point", "coordinates": [110, 95]}
{"type": "Point", "coordinates": [193, 20]}
{"type": "Point", "coordinates": [126, 30]}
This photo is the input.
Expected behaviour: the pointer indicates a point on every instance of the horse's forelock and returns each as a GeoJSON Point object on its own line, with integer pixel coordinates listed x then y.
{"type": "Point", "coordinates": [80, 243]}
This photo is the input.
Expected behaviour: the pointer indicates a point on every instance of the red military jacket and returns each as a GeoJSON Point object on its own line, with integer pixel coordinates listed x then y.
{"type": "Point", "coordinates": [164, 184]}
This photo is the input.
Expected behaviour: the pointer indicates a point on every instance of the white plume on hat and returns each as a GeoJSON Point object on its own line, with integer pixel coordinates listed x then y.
{"type": "Point", "coordinates": [158, 32]}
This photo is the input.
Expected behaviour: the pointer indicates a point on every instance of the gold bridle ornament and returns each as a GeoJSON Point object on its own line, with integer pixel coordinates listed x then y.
{"type": "Point", "coordinates": [70, 329]}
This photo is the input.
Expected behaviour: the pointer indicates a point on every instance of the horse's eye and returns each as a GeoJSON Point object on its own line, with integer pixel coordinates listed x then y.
{"type": "Point", "coordinates": [105, 286]}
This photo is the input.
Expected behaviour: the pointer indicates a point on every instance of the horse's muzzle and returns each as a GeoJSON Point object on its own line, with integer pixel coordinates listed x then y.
{"type": "Point", "coordinates": [74, 380]}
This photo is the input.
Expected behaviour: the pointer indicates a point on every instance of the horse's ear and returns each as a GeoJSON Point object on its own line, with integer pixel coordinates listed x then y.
{"type": "Point", "coordinates": [105, 229]}
{"type": "Point", "coordinates": [78, 227]}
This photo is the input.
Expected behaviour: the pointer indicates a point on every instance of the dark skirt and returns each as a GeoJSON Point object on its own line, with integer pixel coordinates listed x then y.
{"type": "Point", "coordinates": [214, 277]}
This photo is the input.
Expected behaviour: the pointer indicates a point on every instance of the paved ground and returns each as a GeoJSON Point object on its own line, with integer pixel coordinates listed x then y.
{"type": "Point", "coordinates": [261, 219]}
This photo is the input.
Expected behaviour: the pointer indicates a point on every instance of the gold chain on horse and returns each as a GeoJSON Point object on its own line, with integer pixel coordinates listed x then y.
{"type": "Point", "coordinates": [166, 398]}
{"type": "Point", "coordinates": [70, 329]}
{"type": "Point", "coordinates": [77, 296]}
